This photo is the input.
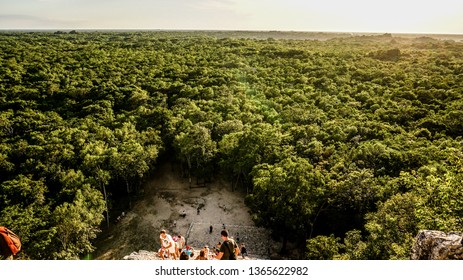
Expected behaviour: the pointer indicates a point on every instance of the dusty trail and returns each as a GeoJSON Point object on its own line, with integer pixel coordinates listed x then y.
{"type": "Point", "coordinates": [164, 198]}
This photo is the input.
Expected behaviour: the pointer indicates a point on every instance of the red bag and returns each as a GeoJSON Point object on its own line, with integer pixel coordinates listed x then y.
{"type": "Point", "coordinates": [11, 240]}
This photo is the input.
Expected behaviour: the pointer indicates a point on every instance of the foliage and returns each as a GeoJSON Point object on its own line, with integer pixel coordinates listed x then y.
{"type": "Point", "coordinates": [347, 146]}
{"type": "Point", "coordinates": [323, 248]}
{"type": "Point", "coordinates": [287, 196]}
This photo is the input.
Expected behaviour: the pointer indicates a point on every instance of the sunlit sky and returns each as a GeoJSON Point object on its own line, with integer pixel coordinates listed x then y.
{"type": "Point", "coordinates": [394, 16]}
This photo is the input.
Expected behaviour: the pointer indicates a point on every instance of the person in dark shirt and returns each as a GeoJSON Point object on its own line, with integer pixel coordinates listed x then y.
{"type": "Point", "coordinates": [244, 251]}
{"type": "Point", "coordinates": [229, 249]}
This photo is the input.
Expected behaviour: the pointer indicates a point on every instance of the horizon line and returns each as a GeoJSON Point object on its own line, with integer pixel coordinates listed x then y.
{"type": "Point", "coordinates": [223, 30]}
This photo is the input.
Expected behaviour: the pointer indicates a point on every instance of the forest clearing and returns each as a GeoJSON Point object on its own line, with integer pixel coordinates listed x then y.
{"type": "Point", "coordinates": [164, 199]}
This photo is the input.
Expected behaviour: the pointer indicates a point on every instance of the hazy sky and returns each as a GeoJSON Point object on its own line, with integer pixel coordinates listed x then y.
{"type": "Point", "coordinates": [405, 16]}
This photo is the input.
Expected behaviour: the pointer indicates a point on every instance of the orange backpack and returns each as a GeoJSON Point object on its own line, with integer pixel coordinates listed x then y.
{"type": "Point", "coordinates": [12, 241]}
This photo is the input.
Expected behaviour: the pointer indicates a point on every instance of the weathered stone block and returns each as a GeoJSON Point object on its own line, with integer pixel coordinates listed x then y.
{"type": "Point", "coordinates": [437, 245]}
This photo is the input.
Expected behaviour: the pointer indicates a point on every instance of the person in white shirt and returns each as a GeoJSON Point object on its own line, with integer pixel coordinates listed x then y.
{"type": "Point", "coordinates": [167, 245]}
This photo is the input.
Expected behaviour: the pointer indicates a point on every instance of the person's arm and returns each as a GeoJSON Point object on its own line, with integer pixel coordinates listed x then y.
{"type": "Point", "coordinates": [237, 251]}
{"type": "Point", "coordinates": [219, 256]}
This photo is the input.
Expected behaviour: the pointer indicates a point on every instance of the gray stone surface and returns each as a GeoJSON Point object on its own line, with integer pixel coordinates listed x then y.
{"type": "Point", "coordinates": [437, 245]}
{"type": "Point", "coordinates": [256, 239]}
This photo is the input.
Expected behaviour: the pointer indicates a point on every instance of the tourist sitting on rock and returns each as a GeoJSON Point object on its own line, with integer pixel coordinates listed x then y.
{"type": "Point", "coordinates": [181, 242]}
{"type": "Point", "coordinates": [189, 250]}
{"type": "Point", "coordinates": [202, 255]}
{"type": "Point", "coordinates": [184, 256]}
{"type": "Point", "coordinates": [206, 250]}
{"type": "Point", "coordinates": [177, 251]}
{"type": "Point", "coordinates": [218, 245]}
{"type": "Point", "coordinates": [216, 253]}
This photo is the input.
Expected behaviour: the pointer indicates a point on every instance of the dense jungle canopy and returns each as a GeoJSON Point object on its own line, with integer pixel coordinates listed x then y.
{"type": "Point", "coordinates": [347, 146]}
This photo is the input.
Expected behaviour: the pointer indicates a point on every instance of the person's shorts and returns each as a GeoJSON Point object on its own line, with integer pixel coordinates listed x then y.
{"type": "Point", "coordinates": [171, 249]}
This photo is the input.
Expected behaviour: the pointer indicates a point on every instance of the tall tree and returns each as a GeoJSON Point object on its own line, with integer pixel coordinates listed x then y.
{"type": "Point", "coordinates": [288, 197]}
{"type": "Point", "coordinates": [77, 223]}
{"type": "Point", "coordinates": [197, 148]}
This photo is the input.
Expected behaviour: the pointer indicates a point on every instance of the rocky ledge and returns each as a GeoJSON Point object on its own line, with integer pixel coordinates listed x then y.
{"type": "Point", "coordinates": [148, 255]}
{"type": "Point", "coordinates": [438, 245]}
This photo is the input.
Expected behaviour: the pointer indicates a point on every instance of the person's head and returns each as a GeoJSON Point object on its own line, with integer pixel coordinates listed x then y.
{"type": "Point", "coordinates": [163, 233]}
{"type": "Point", "coordinates": [202, 253]}
{"type": "Point", "coordinates": [184, 256]}
{"type": "Point", "coordinates": [224, 234]}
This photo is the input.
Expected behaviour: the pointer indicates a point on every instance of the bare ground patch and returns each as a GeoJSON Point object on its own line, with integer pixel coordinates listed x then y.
{"type": "Point", "coordinates": [166, 196]}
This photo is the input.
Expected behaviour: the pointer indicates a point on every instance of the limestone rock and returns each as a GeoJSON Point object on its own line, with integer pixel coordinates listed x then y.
{"type": "Point", "coordinates": [437, 245]}
{"type": "Point", "coordinates": [142, 255]}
